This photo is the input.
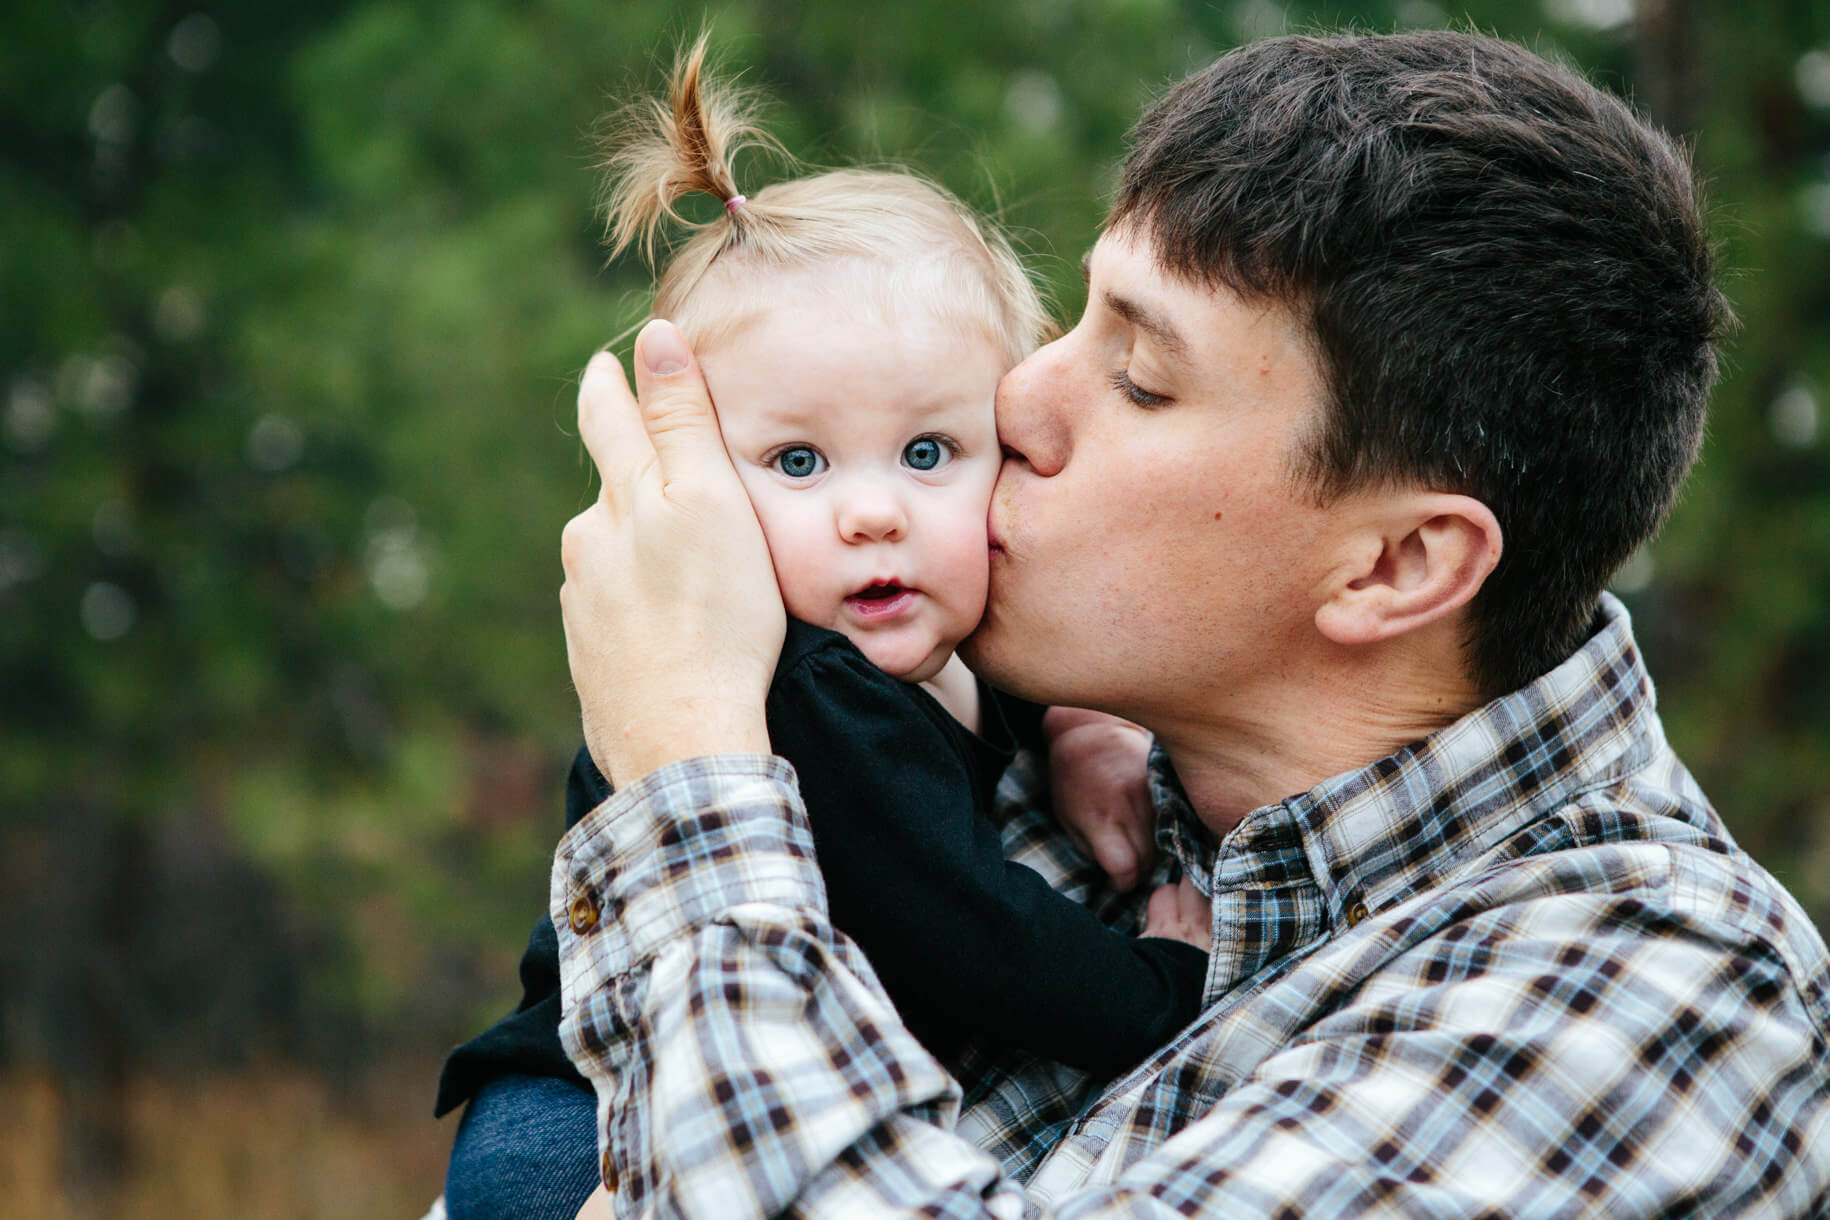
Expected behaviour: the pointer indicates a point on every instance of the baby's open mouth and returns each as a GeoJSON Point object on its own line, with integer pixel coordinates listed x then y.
{"type": "Point", "coordinates": [881, 603]}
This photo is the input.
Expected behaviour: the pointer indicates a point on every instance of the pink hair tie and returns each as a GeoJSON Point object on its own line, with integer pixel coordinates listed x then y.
{"type": "Point", "coordinates": [734, 202]}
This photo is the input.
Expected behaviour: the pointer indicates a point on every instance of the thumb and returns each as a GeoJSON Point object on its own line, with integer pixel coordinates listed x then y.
{"type": "Point", "coordinates": [1140, 828]}
{"type": "Point", "coordinates": [676, 405]}
{"type": "Point", "coordinates": [1117, 858]}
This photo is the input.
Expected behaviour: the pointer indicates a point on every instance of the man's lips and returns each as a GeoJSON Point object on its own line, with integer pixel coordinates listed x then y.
{"type": "Point", "coordinates": [994, 540]}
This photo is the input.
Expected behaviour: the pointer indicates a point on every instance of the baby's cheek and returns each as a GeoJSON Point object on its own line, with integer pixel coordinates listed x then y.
{"type": "Point", "coordinates": [968, 563]}
{"type": "Point", "coordinates": [801, 591]}
{"type": "Point", "coordinates": [798, 571]}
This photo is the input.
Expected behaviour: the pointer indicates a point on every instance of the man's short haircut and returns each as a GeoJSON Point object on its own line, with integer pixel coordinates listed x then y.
{"type": "Point", "coordinates": [1505, 275]}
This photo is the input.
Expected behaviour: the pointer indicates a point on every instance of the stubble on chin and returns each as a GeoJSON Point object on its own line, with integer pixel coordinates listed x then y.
{"type": "Point", "coordinates": [987, 654]}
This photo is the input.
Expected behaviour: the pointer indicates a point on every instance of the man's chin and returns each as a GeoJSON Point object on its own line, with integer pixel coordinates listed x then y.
{"type": "Point", "coordinates": [971, 650]}
{"type": "Point", "coordinates": [987, 654]}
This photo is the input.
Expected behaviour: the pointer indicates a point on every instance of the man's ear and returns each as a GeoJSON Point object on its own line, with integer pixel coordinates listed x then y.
{"type": "Point", "coordinates": [1419, 557]}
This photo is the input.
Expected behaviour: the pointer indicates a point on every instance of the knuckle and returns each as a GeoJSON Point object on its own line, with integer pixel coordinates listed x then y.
{"type": "Point", "coordinates": [573, 540]}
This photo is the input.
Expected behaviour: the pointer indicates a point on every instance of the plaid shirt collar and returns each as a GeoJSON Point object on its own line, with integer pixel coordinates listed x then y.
{"type": "Point", "coordinates": [1290, 873]}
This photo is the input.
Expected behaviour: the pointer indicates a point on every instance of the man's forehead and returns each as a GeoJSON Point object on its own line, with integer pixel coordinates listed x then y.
{"type": "Point", "coordinates": [1127, 261]}
{"type": "Point", "coordinates": [1135, 297]}
{"type": "Point", "coordinates": [1125, 240]}
{"type": "Point", "coordinates": [1130, 264]}
{"type": "Point", "coordinates": [1130, 253]}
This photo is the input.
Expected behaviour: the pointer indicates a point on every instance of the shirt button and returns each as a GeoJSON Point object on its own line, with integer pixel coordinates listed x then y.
{"type": "Point", "coordinates": [583, 914]}
{"type": "Point", "coordinates": [609, 1173]}
{"type": "Point", "coordinates": [1354, 916]}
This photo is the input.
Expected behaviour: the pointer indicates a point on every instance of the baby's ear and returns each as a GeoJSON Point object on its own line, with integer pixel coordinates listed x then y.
{"type": "Point", "coordinates": [1416, 558]}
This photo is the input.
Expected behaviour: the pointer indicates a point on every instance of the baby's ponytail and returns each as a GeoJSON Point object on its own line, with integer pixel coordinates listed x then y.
{"type": "Point", "coordinates": [656, 153]}
{"type": "Point", "coordinates": [924, 248]}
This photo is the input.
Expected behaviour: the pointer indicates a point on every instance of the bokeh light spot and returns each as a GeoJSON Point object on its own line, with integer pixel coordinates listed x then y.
{"type": "Point", "coordinates": [195, 42]}
{"type": "Point", "coordinates": [274, 443]}
{"type": "Point", "coordinates": [107, 611]}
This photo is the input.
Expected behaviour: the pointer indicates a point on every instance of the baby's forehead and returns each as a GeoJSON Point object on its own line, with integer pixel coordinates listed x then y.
{"type": "Point", "coordinates": [842, 410]}
{"type": "Point", "coordinates": [870, 408]}
{"type": "Point", "coordinates": [891, 286]}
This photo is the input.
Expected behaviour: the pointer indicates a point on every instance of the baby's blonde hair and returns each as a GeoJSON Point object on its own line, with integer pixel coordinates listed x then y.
{"type": "Point", "coordinates": [888, 220]}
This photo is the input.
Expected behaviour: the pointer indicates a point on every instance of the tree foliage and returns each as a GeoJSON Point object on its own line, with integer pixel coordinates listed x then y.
{"type": "Point", "coordinates": [295, 297]}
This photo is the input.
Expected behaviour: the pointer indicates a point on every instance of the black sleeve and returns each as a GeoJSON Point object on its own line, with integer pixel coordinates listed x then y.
{"type": "Point", "coordinates": [1024, 719]}
{"type": "Point", "coordinates": [586, 788]}
{"type": "Point", "coordinates": [526, 1041]}
{"type": "Point", "coordinates": [966, 942]}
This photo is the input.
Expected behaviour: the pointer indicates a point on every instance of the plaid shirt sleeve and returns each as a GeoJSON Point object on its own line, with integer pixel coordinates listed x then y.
{"type": "Point", "coordinates": [746, 1060]}
{"type": "Point", "coordinates": [747, 1063]}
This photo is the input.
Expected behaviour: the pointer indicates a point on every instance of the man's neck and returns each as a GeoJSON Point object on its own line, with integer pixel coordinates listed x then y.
{"type": "Point", "coordinates": [1253, 749]}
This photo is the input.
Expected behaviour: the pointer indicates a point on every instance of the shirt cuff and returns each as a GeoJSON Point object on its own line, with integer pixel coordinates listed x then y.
{"type": "Point", "coordinates": [673, 852]}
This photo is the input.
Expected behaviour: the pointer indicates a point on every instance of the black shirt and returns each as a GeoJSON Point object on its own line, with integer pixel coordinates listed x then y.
{"type": "Point", "coordinates": [968, 945]}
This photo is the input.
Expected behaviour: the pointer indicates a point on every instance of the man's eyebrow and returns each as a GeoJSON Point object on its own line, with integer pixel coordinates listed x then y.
{"type": "Point", "coordinates": [1148, 321]}
{"type": "Point", "coordinates": [1140, 316]}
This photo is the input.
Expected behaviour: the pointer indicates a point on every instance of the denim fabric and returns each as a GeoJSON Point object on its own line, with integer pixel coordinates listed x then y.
{"type": "Point", "coordinates": [527, 1148]}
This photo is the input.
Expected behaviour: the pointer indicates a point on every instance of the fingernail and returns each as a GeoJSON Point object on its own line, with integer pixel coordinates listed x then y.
{"type": "Point", "coordinates": [663, 350]}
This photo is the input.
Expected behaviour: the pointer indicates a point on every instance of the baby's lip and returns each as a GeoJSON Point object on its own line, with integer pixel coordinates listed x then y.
{"type": "Point", "coordinates": [881, 601]}
{"type": "Point", "coordinates": [882, 588]}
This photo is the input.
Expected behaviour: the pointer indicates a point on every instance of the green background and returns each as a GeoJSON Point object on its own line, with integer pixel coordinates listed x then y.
{"type": "Point", "coordinates": [292, 301]}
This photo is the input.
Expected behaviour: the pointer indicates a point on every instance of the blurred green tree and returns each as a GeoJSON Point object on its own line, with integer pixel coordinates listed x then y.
{"type": "Point", "coordinates": [294, 298]}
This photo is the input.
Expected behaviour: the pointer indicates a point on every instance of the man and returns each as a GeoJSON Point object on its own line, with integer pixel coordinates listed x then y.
{"type": "Point", "coordinates": [1395, 347]}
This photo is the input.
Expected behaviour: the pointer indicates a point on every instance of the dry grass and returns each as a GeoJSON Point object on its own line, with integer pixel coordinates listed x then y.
{"type": "Point", "coordinates": [272, 1143]}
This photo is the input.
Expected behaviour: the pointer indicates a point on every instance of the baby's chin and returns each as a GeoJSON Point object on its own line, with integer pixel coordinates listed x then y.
{"type": "Point", "coordinates": [904, 660]}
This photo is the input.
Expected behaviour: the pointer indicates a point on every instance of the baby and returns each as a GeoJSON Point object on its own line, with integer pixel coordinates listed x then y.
{"type": "Point", "coordinates": [853, 327]}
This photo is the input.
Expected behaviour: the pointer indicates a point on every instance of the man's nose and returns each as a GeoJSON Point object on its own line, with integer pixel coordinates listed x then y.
{"type": "Point", "coordinates": [871, 513]}
{"type": "Point", "coordinates": [1031, 405]}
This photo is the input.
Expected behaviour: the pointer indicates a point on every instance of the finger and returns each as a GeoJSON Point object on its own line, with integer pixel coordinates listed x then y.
{"type": "Point", "coordinates": [1197, 910]}
{"type": "Point", "coordinates": [597, 1207]}
{"type": "Point", "coordinates": [610, 423]}
{"type": "Point", "coordinates": [575, 658]}
{"type": "Point", "coordinates": [676, 406]}
{"type": "Point", "coordinates": [1141, 829]}
{"type": "Point", "coordinates": [1189, 900]}
{"type": "Point", "coordinates": [1160, 916]}
{"type": "Point", "coordinates": [1117, 858]}
{"type": "Point", "coordinates": [575, 543]}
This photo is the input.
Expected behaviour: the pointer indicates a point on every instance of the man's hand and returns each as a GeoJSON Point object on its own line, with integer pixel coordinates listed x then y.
{"type": "Point", "coordinates": [1179, 912]}
{"type": "Point", "coordinates": [597, 1207]}
{"type": "Point", "coordinates": [1096, 781]}
{"type": "Point", "coordinates": [672, 617]}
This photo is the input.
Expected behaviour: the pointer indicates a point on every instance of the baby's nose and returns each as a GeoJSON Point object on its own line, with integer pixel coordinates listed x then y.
{"type": "Point", "coordinates": [872, 515]}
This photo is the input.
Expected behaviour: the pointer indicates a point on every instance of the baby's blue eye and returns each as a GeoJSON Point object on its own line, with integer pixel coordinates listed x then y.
{"type": "Point", "coordinates": [800, 462]}
{"type": "Point", "coordinates": [924, 453]}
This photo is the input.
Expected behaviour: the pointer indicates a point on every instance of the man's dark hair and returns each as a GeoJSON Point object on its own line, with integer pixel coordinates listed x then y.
{"type": "Point", "coordinates": [1505, 274]}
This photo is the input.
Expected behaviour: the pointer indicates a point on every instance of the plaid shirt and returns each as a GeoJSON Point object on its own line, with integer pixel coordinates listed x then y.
{"type": "Point", "coordinates": [1515, 969]}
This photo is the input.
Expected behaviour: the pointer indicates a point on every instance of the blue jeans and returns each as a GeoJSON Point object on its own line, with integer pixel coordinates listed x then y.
{"type": "Point", "coordinates": [526, 1148]}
